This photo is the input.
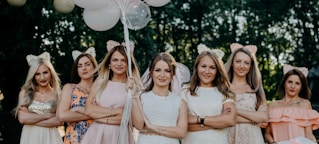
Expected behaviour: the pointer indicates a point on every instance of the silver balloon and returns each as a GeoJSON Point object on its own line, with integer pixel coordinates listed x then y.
{"type": "Point", "coordinates": [137, 14]}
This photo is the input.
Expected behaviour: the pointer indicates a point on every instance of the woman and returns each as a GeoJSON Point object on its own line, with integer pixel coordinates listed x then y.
{"type": "Point", "coordinates": [210, 102]}
{"type": "Point", "coordinates": [251, 104]}
{"type": "Point", "coordinates": [108, 96]}
{"type": "Point", "coordinates": [74, 95]}
{"type": "Point", "coordinates": [37, 104]}
{"type": "Point", "coordinates": [159, 114]}
{"type": "Point", "coordinates": [292, 116]}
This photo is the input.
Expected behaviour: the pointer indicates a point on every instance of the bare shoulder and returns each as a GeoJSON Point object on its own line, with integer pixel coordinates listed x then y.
{"type": "Point", "coordinates": [274, 104]}
{"type": "Point", "coordinates": [305, 103]}
{"type": "Point", "coordinates": [68, 86]}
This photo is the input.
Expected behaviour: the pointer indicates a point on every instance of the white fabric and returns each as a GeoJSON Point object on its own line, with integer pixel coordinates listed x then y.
{"type": "Point", "coordinates": [160, 111]}
{"type": "Point", "coordinates": [298, 140]}
{"type": "Point", "coordinates": [32, 134]}
{"type": "Point", "coordinates": [208, 102]}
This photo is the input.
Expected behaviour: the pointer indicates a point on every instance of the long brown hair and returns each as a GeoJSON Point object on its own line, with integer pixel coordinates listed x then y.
{"type": "Point", "coordinates": [75, 78]}
{"type": "Point", "coordinates": [169, 59]}
{"type": "Point", "coordinates": [221, 80]}
{"type": "Point", "coordinates": [253, 77]}
{"type": "Point", "coordinates": [305, 90]}
{"type": "Point", "coordinates": [105, 74]}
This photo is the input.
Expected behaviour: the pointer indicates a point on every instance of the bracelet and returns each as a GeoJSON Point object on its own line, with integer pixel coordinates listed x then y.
{"type": "Point", "coordinates": [107, 120]}
{"type": "Point", "coordinates": [202, 120]}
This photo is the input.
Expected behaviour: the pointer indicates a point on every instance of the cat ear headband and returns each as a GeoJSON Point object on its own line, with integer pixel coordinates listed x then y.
{"type": "Point", "coordinates": [303, 70]}
{"type": "Point", "coordinates": [111, 44]}
{"type": "Point", "coordinates": [76, 53]}
{"type": "Point", "coordinates": [251, 48]}
{"type": "Point", "coordinates": [202, 47]}
{"type": "Point", "coordinates": [31, 58]}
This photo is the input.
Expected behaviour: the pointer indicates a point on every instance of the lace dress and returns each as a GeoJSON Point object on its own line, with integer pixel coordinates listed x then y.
{"type": "Point", "coordinates": [160, 111]}
{"type": "Point", "coordinates": [75, 130]}
{"type": "Point", "coordinates": [208, 102]}
{"type": "Point", "coordinates": [246, 133]}
{"type": "Point", "coordinates": [32, 134]}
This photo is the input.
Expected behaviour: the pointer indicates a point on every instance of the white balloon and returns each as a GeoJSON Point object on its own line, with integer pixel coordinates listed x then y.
{"type": "Point", "coordinates": [63, 6]}
{"type": "Point", "coordinates": [92, 4]}
{"type": "Point", "coordinates": [17, 3]}
{"type": "Point", "coordinates": [137, 15]}
{"type": "Point", "coordinates": [102, 19]}
{"type": "Point", "coordinates": [157, 3]}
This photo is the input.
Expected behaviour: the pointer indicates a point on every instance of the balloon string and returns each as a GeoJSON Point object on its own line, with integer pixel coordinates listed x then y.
{"type": "Point", "coordinates": [126, 122]}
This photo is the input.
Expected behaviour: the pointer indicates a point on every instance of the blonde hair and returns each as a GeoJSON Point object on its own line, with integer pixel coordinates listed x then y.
{"type": "Point", "coordinates": [30, 85]}
{"type": "Point", "coordinates": [221, 80]}
{"type": "Point", "coordinates": [253, 77]}
{"type": "Point", "coordinates": [105, 74]}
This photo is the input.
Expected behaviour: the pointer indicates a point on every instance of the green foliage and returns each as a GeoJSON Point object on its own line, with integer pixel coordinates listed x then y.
{"type": "Point", "coordinates": [284, 32]}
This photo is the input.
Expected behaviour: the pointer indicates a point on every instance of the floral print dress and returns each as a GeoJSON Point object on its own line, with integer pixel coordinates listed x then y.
{"type": "Point", "coordinates": [76, 130]}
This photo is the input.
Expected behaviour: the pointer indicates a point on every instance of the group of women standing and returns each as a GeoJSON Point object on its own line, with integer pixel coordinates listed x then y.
{"type": "Point", "coordinates": [222, 104]}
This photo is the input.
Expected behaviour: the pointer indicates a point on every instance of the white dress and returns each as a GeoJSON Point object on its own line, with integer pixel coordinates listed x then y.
{"type": "Point", "coordinates": [160, 111]}
{"type": "Point", "coordinates": [32, 134]}
{"type": "Point", "coordinates": [208, 102]}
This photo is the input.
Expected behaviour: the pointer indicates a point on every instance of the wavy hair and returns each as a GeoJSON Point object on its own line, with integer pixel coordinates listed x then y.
{"type": "Point", "coordinates": [221, 80]}
{"type": "Point", "coordinates": [105, 74]}
{"type": "Point", "coordinates": [30, 85]}
{"type": "Point", "coordinates": [305, 90]}
{"type": "Point", "coordinates": [253, 77]}
{"type": "Point", "coordinates": [167, 58]}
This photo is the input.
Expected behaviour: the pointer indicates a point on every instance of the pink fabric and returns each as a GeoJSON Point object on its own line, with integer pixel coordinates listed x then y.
{"type": "Point", "coordinates": [288, 123]}
{"type": "Point", "coordinates": [114, 96]}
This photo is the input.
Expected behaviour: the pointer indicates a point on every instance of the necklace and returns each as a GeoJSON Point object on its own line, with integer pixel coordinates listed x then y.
{"type": "Point", "coordinates": [160, 94]}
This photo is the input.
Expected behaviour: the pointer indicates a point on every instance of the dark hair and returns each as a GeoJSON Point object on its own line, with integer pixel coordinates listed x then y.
{"type": "Point", "coordinates": [169, 59]}
{"type": "Point", "coordinates": [305, 90]}
{"type": "Point", "coordinates": [75, 78]}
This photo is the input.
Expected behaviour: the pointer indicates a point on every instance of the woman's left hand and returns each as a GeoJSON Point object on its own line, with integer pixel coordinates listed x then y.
{"type": "Point", "coordinates": [130, 84]}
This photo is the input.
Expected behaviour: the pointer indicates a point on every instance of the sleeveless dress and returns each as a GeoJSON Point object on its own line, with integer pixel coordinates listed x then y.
{"type": "Point", "coordinates": [32, 134]}
{"type": "Point", "coordinates": [245, 133]}
{"type": "Point", "coordinates": [114, 95]}
{"type": "Point", "coordinates": [208, 102]}
{"type": "Point", "coordinates": [160, 111]}
{"type": "Point", "coordinates": [75, 130]}
{"type": "Point", "coordinates": [288, 122]}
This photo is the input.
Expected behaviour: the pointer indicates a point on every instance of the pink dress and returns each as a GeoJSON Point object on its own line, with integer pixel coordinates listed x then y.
{"type": "Point", "coordinates": [288, 122]}
{"type": "Point", "coordinates": [114, 95]}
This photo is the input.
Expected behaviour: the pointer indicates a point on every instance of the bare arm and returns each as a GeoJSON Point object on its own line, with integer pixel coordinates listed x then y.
{"type": "Point", "coordinates": [137, 113]}
{"type": "Point", "coordinates": [178, 131]}
{"type": "Point", "coordinates": [224, 120]}
{"type": "Point", "coordinates": [65, 112]}
{"type": "Point", "coordinates": [308, 129]}
{"type": "Point", "coordinates": [94, 111]}
{"type": "Point", "coordinates": [112, 120]}
{"type": "Point", "coordinates": [26, 117]}
{"type": "Point", "coordinates": [268, 135]}
{"type": "Point", "coordinates": [52, 122]}
{"type": "Point", "coordinates": [259, 116]}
